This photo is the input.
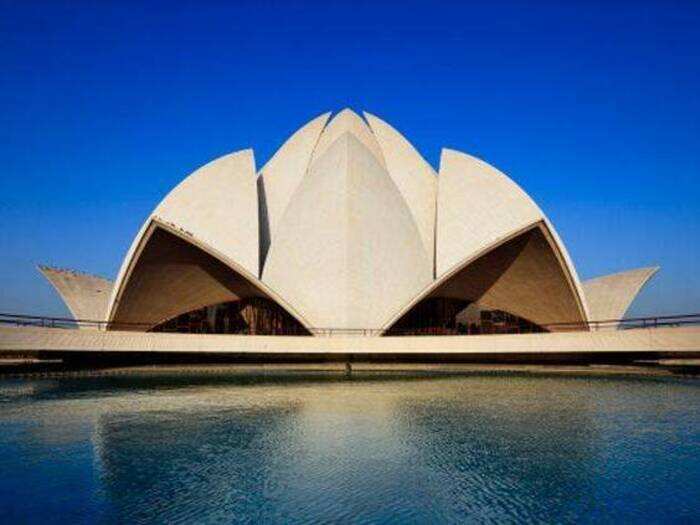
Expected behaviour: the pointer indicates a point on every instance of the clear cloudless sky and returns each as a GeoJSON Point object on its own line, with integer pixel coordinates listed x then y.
{"type": "Point", "coordinates": [593, 107]}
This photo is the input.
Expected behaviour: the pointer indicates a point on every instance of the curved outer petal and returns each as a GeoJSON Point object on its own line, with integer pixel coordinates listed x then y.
{"type": "Point", "coordinates": [413, 176]}
{"type": "Point", "coordinates": [347, 121]}
{"type": "Point", "coordinates": [348, 252]}
{"type": "Point", "coordinates": [218, 205]}
{"type": "Point", "coordinates": [477, 206]}
{"type": "Point", "coordinates": [479, 209]}
{"type": "Point", "coordinates": [610, 296]}
{"type": "Point", "coordinates": [85, 295]}
{"type": "Point", "coordinates": [282, 174]}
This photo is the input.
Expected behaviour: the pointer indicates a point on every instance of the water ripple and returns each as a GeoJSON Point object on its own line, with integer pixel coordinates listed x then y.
{"type": "Point", "coordinates": [473, 449]}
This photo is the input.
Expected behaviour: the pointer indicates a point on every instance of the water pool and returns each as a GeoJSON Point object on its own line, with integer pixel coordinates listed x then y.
{"type": "Point", "coordinates": [165, 447]}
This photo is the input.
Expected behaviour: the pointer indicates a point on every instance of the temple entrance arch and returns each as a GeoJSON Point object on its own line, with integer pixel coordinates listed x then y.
{"type": "Point", "coordinates": [522, 281]}
{"type": "Point", "coordinates": [172, 275]}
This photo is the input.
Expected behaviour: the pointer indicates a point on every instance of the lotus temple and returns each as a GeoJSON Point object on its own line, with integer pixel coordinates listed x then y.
{"type": "Point", "coordinates": [345, 233]}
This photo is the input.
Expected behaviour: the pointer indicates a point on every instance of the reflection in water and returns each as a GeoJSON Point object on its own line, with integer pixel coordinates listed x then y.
{"type": "Point", "coordinates": [194, 464]}
{"type": "Point", "coordinates": [185, 448]}
{"type": "Point", "coordinates": [492, 449]}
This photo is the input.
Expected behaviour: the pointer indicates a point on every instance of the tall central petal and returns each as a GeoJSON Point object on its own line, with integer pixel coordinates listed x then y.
{"type": "Point", "coordinates": [348, 253]}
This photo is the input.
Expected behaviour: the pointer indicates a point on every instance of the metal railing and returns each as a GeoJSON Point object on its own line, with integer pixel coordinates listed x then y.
{"type": "Point", "coordinates": [606, 324]}
{"type": "Point", "coordinates": [67, 322]}
{"type": "Point", "coordinates": [658, 321]}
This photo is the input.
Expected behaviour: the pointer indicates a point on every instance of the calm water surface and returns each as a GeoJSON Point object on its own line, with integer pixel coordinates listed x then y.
{"type": "Point", "coordinates": [171, 448]}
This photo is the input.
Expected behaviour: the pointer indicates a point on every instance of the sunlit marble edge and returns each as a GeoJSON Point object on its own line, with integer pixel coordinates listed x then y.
{"type": "Point", "coordinates": [669, 339]}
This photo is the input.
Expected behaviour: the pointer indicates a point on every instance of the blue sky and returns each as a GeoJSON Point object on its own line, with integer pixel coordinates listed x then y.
{"type": "Point", "coordinates": [593, 107]}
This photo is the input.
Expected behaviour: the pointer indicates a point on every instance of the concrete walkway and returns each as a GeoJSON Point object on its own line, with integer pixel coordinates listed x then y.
{"type": "Point", "coordinates": [679, 341]}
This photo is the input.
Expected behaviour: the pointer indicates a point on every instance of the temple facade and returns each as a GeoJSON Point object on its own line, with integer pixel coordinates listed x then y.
{"type": "Point", "coordinates": [347, 229]}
